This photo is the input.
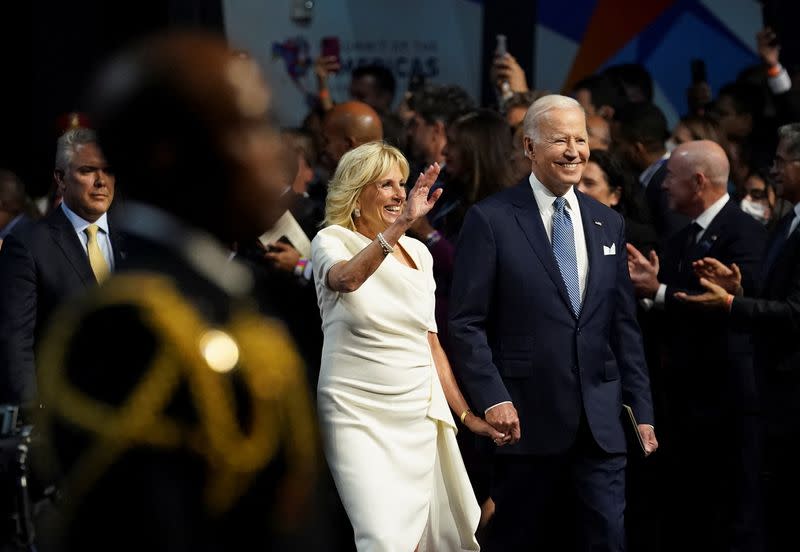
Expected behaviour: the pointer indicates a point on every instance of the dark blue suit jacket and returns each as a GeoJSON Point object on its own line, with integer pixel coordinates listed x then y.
{"type": "Point", "coordinates": [514, 336]}
{"type": "Point", "coordinates": [39, 269]}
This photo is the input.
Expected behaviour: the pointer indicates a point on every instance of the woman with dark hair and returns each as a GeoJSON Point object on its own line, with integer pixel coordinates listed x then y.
{"type": "Point", "coordinates": [476, 166]}
{"type": "Point", "coordinates": [605, 180]}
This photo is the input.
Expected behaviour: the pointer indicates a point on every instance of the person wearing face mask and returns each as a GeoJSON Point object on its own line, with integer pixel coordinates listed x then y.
{"type": "Point", "coordinates": [761, 202]}
{"type": "Point", "coordinates": [756, 202]}
{"type": "Point", "coordinates": [385, 382]}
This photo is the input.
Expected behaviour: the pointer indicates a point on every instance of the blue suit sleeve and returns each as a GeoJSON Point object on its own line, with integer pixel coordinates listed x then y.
{"type": "Point", "coordinates": [626, 342]}
{"type": "Point", "coordinates": [470, 303]}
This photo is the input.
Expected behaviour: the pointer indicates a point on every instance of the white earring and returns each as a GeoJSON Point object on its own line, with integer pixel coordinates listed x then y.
{"type": "Point", "coordinates": [357, 212]}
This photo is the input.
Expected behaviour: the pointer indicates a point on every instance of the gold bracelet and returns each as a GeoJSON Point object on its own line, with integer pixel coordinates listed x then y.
{"type": "Point", "coordinates": [464, 414]}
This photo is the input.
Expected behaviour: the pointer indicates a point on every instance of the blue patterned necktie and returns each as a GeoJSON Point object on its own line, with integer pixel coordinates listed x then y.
{"type": "Point", "coordinates": [564, 252]}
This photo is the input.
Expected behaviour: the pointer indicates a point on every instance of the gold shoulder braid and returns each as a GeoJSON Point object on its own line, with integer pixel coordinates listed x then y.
{"type": "Point", "coordinates": [193, 352]}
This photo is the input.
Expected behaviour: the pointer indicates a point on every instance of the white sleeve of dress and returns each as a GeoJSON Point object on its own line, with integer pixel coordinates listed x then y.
{"type": "Point", "coordinates": [327, 250]}
{"type": "Point", "coordinates": [428, 268]}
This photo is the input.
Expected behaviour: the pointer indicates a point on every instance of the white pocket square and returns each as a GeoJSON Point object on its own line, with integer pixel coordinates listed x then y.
{"type": "Point", "coordinates": [612, 250]}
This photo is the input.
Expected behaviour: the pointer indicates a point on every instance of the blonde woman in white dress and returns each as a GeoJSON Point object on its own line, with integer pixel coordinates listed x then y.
{"type": "Point", "coordinates": [385, 382]}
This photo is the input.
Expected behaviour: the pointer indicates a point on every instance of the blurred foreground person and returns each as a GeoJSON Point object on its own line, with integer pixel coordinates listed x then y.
{"type": "Point", "coordinates": [178, 417]}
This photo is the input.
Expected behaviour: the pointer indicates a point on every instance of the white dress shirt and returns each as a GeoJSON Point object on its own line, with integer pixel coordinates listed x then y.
{"type": "Point", "coordinates": [795, 220]}
{"type": "Point", "coordinates": [103, 239]}
{"type": "Point", "coordinates": [544, 200]}
{"type": "Point", "coordinates": [704, 221]}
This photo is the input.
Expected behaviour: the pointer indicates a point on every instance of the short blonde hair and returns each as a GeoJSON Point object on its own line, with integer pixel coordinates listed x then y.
{"type": "Point", "coordinates": [357, 168]}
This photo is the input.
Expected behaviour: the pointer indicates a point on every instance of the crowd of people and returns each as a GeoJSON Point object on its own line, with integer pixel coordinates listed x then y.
{"type": "Point", "coordinates": [549, 323]}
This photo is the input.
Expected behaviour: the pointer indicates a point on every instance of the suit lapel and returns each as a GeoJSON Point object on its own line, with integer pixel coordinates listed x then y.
{"type": "Point", "coordinates": [777, 245]}
{"type": "Point", "coordinates": [705, 245]}
{"type": "Point", "coordinates": [530, 220]}
{"type": "Point", "coordinates": [67, 241]}
{"type": "Point", "coordinates": [116, 238]}
{"type": "Point", "coordinates": [592, 251]}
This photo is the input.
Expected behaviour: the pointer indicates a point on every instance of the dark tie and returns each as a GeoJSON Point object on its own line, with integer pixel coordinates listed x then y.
{"type": "Point", "coordinates": [564, 252]}
{"type": "Point", "coordinates": [691, 238]}
{"type": "Point", "coordinates": [776, 244]}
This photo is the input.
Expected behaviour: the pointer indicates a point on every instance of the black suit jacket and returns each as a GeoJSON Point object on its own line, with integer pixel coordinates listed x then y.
{"type": "Point", "coordinates": [774, 319]}
{"type": "Point", "coordinates": [39, 269]}
{"type": "Point", "coordinates": [708, 362]}
{"type": "Point", "coordinates": [666, 221]}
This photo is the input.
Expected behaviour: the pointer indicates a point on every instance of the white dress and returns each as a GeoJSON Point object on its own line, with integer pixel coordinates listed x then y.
{"type": "Point", "coordinates": [388, 433]}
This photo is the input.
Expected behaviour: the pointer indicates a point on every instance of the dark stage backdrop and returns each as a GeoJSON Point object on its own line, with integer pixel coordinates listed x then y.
{"type": "Point", "coordinates": [45, 70]}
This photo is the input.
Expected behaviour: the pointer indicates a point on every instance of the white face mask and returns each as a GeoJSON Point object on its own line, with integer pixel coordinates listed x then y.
{"type": "Point", "coordinates": [755, 209]}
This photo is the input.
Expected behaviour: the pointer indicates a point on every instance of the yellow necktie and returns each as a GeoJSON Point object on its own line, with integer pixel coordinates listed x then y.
{"type": "Point", "coordinates": [96, 258]}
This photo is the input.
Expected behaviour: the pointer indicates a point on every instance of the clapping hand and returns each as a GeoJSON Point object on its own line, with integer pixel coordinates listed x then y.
{"type": "Point", "coordinates": [418, 203]}
{"type": "Point", "coordinates": [643, 271]}
{"type": "Point", "coordinates": [715, 296]}
{"type": "Point", "coordinates": [728, 278]}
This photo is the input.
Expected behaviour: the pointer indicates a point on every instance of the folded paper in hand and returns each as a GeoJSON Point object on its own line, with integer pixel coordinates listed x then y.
{"type": "Point", "coordinates": [287, 227]}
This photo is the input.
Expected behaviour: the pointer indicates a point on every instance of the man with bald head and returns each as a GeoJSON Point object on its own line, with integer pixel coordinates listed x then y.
{"type": "Point", "coordinates": [709, 382]}
{"type": "Point", "coordinates": [347, 126]}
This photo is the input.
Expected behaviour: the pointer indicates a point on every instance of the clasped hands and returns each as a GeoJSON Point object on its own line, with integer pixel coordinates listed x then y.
{"type": "Point", "coordinates": [501, 424]}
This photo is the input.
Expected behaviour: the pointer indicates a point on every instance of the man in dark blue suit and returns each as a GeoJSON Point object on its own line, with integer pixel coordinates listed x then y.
{"type": "Point", "coordinates": [707, 364]}
{"type": "Point", "coordinates": [63, 254]}
{"type": "Point", "coordinates": [546, 343]}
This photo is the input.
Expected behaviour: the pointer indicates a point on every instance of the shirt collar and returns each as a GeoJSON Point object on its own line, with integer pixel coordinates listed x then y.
{"type": "Point", "coordinates": [545, 198]}
{"type": "Point", "coordinates": [648, 173]}
{"type": "Point", "coordinates": [797, 209]}
{"type": "Point", "coordinates": [80, 225]}
{"type": "Point", "coordinates": [10, 226]}
{"type": "Point", "coordinates": [708, 215]}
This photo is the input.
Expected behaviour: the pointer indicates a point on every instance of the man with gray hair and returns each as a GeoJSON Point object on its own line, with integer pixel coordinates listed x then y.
{"type": "Point", "coordinates": [64, 253]}
{"type": "Point", "coordinates": [545, 340]}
